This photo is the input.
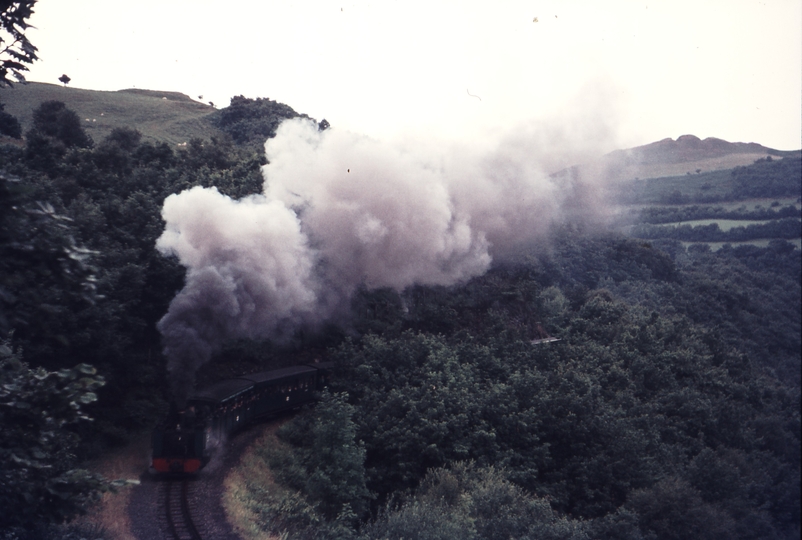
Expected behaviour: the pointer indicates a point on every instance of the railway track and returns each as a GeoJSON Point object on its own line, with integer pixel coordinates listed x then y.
{"type": "Point", "coordinates": [177, 522]}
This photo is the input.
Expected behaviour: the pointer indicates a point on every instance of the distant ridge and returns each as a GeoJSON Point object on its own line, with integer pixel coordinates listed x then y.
{"type": "Point", "coordinates": [669, 157]}
{"type": "Point", "coordinates": [690, 148]}
{"type": "Point", "coordinates": [175, 96]}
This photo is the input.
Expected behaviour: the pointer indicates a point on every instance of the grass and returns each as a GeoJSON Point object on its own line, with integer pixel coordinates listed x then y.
{"type": "Point", "coordinates": [249, 485]}
{"type": "Point", "coordinates": [160, 116]}
{"type": "Point", "coordinates": [127, 463]}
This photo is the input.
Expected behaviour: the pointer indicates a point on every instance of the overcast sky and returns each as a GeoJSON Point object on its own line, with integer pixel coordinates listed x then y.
{"type": "Point", "coordinates": [714, 68]}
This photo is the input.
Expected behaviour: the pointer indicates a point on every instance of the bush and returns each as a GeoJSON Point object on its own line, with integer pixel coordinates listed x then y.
{"type": "Point", "coordinates": [9, 125]}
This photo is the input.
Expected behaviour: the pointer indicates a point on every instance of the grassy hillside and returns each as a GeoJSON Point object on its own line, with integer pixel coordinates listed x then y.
{"type": "Point", "coordinates": [664, 190]}
{"type": "Point", "coordinates": [164, 116]}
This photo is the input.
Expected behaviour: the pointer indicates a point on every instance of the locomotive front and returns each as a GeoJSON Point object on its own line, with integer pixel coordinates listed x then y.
{"type": "Point", "coordinates": [183, 442]}
{"type": "Point", "coordinates": [179, 445]}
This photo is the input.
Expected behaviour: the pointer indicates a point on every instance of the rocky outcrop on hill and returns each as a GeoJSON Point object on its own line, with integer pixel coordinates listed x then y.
{"type": "Point", "coordinates": [688, 148]}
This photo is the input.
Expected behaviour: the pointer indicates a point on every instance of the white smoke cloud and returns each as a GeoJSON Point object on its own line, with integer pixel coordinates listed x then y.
{"type": "Point", "coordinates": [377, 214]}
{"type": "Point", "coordinates": [340, 210]}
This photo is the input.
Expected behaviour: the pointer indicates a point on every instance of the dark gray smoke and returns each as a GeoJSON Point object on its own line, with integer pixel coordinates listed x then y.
{"type": "Point", "coordinates": [340, 210]}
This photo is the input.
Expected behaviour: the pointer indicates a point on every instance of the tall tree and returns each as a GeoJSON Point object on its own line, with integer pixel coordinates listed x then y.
{"type": "Point", "coordinates": [53, 119]}
{"type": "Point", "coordinates": [336, 461]}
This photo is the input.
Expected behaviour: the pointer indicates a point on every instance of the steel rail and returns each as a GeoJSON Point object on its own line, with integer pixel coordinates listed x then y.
{"type": "Point", "coordinates": [179, 518]}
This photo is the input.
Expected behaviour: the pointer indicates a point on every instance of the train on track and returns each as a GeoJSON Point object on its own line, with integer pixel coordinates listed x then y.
{"type": "Point", "coordinates": [183, 443]}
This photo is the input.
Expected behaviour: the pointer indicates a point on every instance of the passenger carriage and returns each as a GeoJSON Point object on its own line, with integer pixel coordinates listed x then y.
{"type": "Point", "coordinates": [184, 442]}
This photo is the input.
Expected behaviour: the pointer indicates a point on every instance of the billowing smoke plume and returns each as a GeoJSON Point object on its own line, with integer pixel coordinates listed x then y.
{"type": "Point", "coordinates": [340, 211]}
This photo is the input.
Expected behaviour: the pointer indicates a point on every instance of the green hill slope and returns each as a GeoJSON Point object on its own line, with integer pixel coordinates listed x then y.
{"type": "Point", "coordinates": [160, 116]}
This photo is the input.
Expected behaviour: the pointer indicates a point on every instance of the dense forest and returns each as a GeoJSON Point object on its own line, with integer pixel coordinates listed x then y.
{"type": "Point", "coordinates": [669, 408]}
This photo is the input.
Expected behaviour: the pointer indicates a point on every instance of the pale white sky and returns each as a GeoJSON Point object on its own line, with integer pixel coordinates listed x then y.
{"type": "Point", "coordinates": [723, 68]}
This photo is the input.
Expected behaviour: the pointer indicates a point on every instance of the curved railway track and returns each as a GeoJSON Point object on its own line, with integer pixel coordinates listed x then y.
{"type": "Point", "coordinates": [174, 501]}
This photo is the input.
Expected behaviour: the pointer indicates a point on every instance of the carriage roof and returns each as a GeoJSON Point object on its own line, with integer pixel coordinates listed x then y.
{"type": "Point", "coordinates": [279, 374]}
{"type": "Point", "coordinates": [222, 391]}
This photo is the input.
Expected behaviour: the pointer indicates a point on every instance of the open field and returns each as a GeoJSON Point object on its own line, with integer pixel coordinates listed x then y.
{"type": "Point", "coordinates": [723, 224]}
{"type": "Point", "coordinates": [715, 246]}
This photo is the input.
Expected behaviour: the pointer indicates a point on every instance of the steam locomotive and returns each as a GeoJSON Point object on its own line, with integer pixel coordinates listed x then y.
{"type": "Point", "coordinates": [184, 441]}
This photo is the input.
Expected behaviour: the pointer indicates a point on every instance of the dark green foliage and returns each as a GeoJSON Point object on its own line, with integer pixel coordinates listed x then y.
{"type": "Point", "coordinates": [332, 473]}
{"type": "Point", "coordinates": [39, 480]}
{"type": "Point", "coordinates": [336, 460]}
{"type": "Point", "coordinates": [769, 178]}
{"type": "Point", "coordinates": [765, 178]}
{"type": "Point", "coordinates": [43, 273]}
{"type": "Point", "coordinates": [673, 510]}
{"type": "Point", "coordinates": [472, 503]}
{"type": "Point", "coordinates": [423, 404]}
{"type": "Point", "coordinates": [788, 228]}
{"type": "Point", "coordinates": [748, 298]}
{"type": "Point", "coordinates": [673, 214]}
{"type": "Point", "coordinates": [56, 129]}
{"type": "Point", "coordinates": [55, 121]}
{"type": "Point", "coordinates": [49, 531]}
{"type": "Point", "coordinates": [113, 155]}
{"type": "Point", "coordinates": [322, 474]}
{"type": "Point", "coordinates": [17, 50]}
{"type": "Point", "coordinates": [109, 199]}
{"type": "Point", "coordinates": [678, 387]}
{"type": "Point", "coordinates": [252, 121]}
{"type": "Point", "coordinates": [9, 125]}
{"type": "Point", "coordinates": [709, 187]}
{"type": "Point", "coordinates": [420, 521]}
